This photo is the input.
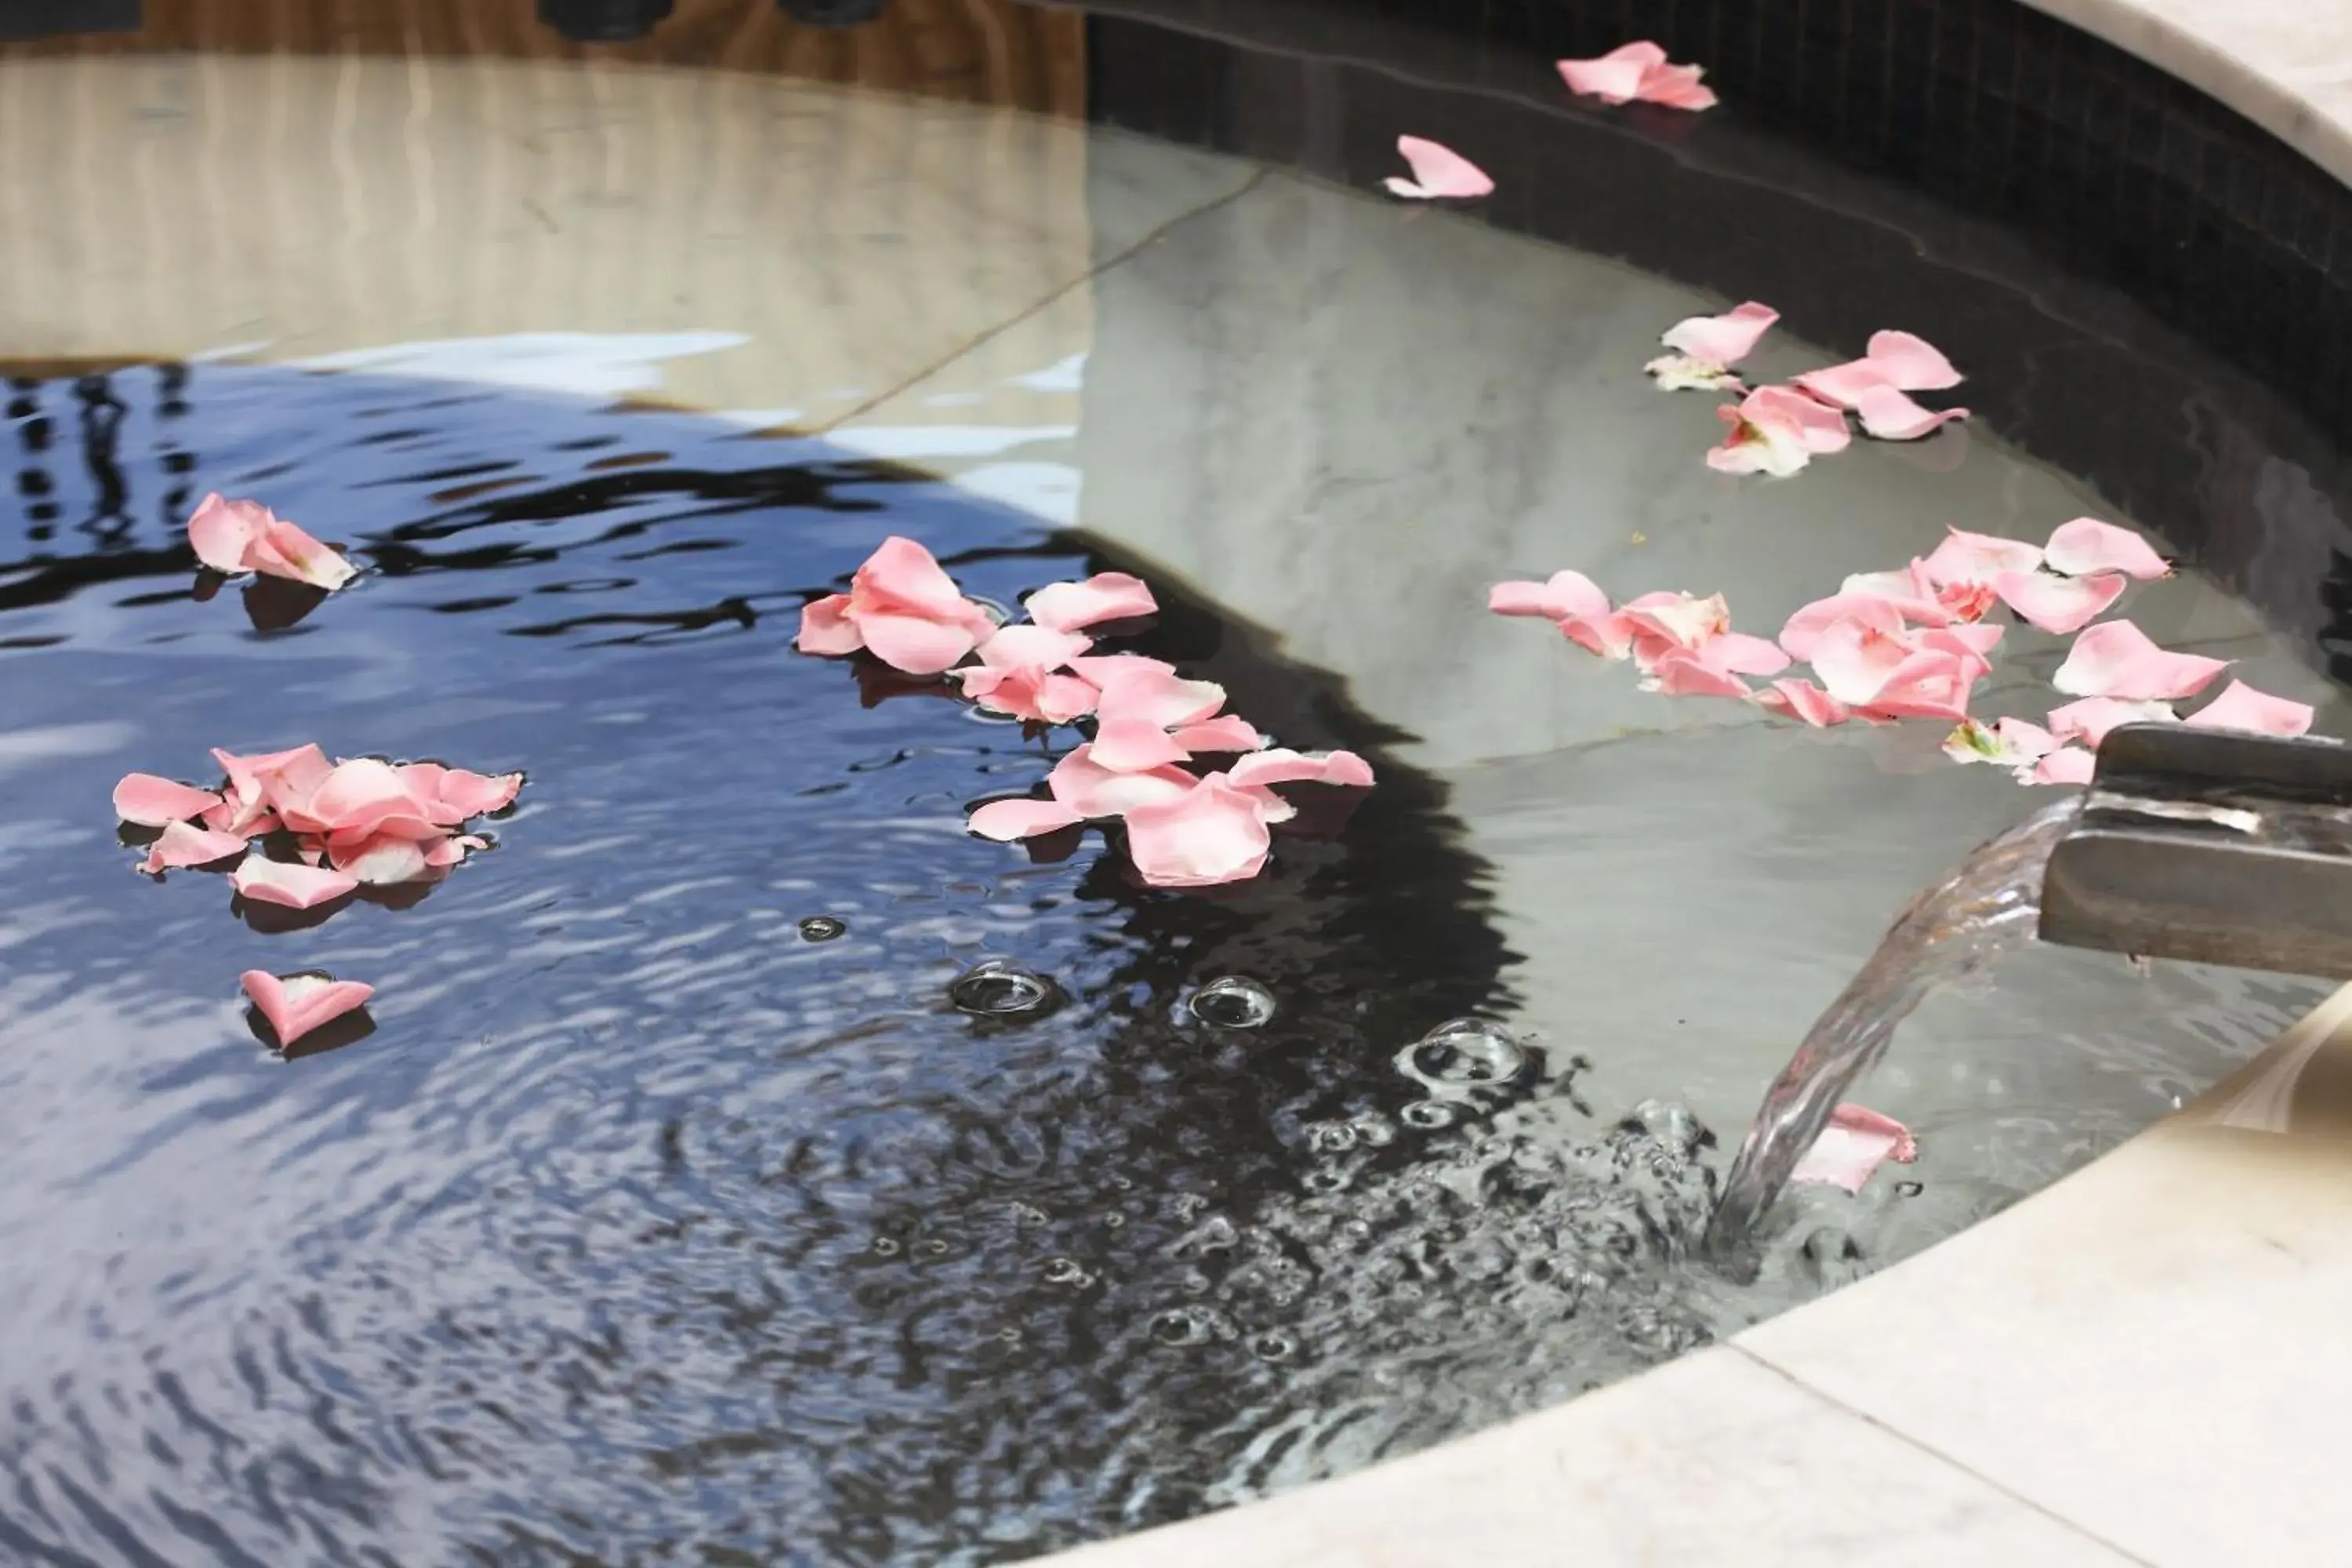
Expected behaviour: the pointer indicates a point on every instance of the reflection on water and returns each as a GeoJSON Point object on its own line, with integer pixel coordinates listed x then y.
{"type": "Point", "coordinates": [745, 1162]}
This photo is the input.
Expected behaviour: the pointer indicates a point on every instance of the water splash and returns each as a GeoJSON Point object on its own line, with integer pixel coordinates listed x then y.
{"type": "Point", "coordinates": [1989, 903]}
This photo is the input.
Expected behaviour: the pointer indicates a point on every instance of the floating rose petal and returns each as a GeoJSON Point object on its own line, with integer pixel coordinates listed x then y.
{"type": "Point", "coordinates": [1005, 820]}
{"type": "Point", "coordinates": [2008, 742]}
{"type": "Point", "coordinates": [1854, 1143]}
{"type": "Point", "coordinates": [182, 845]}
{"type": "Point", "coordinates": [1438, 171]}
{"type": "Point", "coordinates": [2086, 545]}
{"type": "Point", "coordinates": [152, 802]}
{"type": "Point", "coordinates": [1801, 637]}
{"type": "Point", "coordinates": [1225, 733]}
{"type": "Point", "coordinates": [1282, 765]}
{"type": "Point", "coordinates": [2241, 707]}
{"type": "Point", "coordinates": [290, 885]}
{"type": "Point", "coordinates": [1680, 674]}
{"type": "Point", "coordinates": [1015, 675]}
{"type": "Point", "coordinates": [1157, 697]}
{"type": "Point", "coordinates": [297, 1004]}
{"type": "Point", "coordinates": [1889, 414]}
{"type": "Point", "coordinates": [1914, 596]}
{"type": "Point", "coordinates": [2089, 720]}
{"type": "Point", "coordinates": [383, 860]}
{"type": "Point", "coordinates": [233, 537]}
{"type": "Point", "coordinates": [1978, 558]}
{"type": "Point", "coordinates": [1776, 430]}
{"type": "Point", "coordinates": [2066, 766]}
{"type": "Point", "coordinates": [1637, 70]}
{"type": "Point", "coordinates": [1659, 624]}
{"type": "Point", "coordinates": [1706, 347]}
{"type": "Point", "coordinates": [1088, 788]}
{"type": "Point", "coordinates": [1135, 745]}
{"type": "Point", "coordinates": [2056, 603]}
{"type": "Point", "coordinates": [1562, 596]}
{"type": "Point", "coordinates": [1214, 833]}
{"type": "Point", "coordinates": [452, 796]}
{"type": "Point", "coordinates": [1802, 700]}
{"type": "Point", "coordinates": [1105, 596]}
{"type": "Point", "coordinates": [902, 609]}
{"type": "Point", "coordinates": [1891, 361]}
{"type": "Point", "coordinates": [2116, 658]}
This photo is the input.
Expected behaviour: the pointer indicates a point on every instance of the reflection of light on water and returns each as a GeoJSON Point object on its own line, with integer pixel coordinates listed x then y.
{"type": "Point", "coordinates": [593, 364]}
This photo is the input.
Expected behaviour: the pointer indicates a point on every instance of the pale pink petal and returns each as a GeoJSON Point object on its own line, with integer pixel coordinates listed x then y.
{"type": "Point", "coordinates": [1802, 700]}
{"type": "Point", "coordinates": [294, 773]}
{"type": "Point", "coordinates": [1565, 595]}
{"type": "Point", "coordinates": [1737, 653]}
{"type": "Point", "coordinates": [2056, 603]}
{"type": "Point", "coordinates": [1437, 172]}
{"type": "Point", "coordinates": [2089, 720]}
{"type": "Point", "coordinates": [2008, 742]}
{"type": "Point", "coordinates": [913, 644]}
{"type": "Point", "coordinates": [1062, 697]}
{"type": "Point", "coordinates": [1034, 649]}
{"type": "Point", "coordinates": [1226, 732]}
{"type": "Point", "coordinates": [1676, 620]}
{"type": "Point", "coordinates": [283, 550]}
{"type": "Point", "coordinates": [245, 821]}
{"type": "Point", "coordinates": [1088, 788]}
{"type": "Point", "coordinates": [1153, 696]}
{"type": "Point", "coordinates": [1910, 362]}
{"type": "Point", "coordinates": [1134, 746]}
{"type": "Point", "coordinates": [297, 1004]}
{"type": "Point", "coordinates": [2087, 545]}
{"type": "Point", "coordinates": [440, 854]}
{"type": "Point", "coordinates": [1855, 660]}
{"type": "Point", "coordinates": [459, 794]}
{"type": "Point", "coordinates": [1772, 445]}
{"type": "Point", "coordinates": [221, 530]}
{"type": "Point", "coordinates": [2116, 658]}
{"type": "Point", "coordinates": [1978, 558]}
{"type": "Point", "coordinates": [1680, 373]}
{"type": "Point", "coordinates": [182, 845]}
{"type": "Point", "coordinates": [1979, 640]}
{"type": "Point", "coordinates": [151, 802]}
{"type": "Point", "coordinates": [1105, 596]}
{"type": "Point", "coordinates": [1930, 684]}
{"type": "Point", "coordinates": [827, 627]}
{"type": "Point", "coordinates": [1821, 428]}
{"type": "Point", "coordinates": [1048, 700]}
{"type": "Point", "coordinates": [1721, 341]}
{"type": "Point", "coordinates": [1967, 601]}
{"type": "Point", "coordinates": [1910, 590]}
{"type": "Point", "coordinates": [1005, 820]}
{"type": "Point", "coordinates": [1214, 833]}
{"type": "Point", "coordinates": [902, 577]}
{"type": "Point", "coordinates": [1282, 765]}
{"type": "Point", "coordinates": [1801, 637]}
{"type": "Point", "coordinates": [1855, 1143]}
{"type": "Point", "coordinates": [1679, 673]}
{"type": "Point", "coordinates": [289, 884]}
{"type": "Point", "coordinates": [1610, 636]}
{"type": "Point", "coordinates": [1888, 414]}
{"type": "Point", "coordinates": [1675, 87]}
{"type": "Point", "coordinates": [2066, 766]}
{"type": "Point", "coordinates": [2242, 708]}
{"type": "Point", "coordinates": [383, 860]}
{"type": "Point", "coordinates": [1842, 385]}
{"type": "Point", "coordinates": [1615, 77]}
{"type": "Point", "coordinates": [359, 794]}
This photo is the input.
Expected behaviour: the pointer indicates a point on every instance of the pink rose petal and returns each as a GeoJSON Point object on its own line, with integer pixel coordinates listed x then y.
{"type": "Point", "coordinates": [452, 796]}
{"type": "Point", "coordinates": [1610, 636]}
{"type": "Point", "coordinates": [1564, 596]}
{"type": "Point", "coordinates": [1677, 87]}
{"type": "Point", "coordinates": [1855, 1143]}
{"type": "Point", "coordinates": [295, 1005]}
{"type": "Point", "coordinates": [1005, 820]}
{"type": "Point", "coordinates": [1134, 746]}
{"type": "Point", "coordinates": [1682, 674]}
{"type": "Point", "coordinates": [2116, 658]}
{"type": "Point", "coordinates": [1214, 833]}
{"type": "Point", "coordinates": [1801, 637]}
{"type": "Point", "coordinates": [1615, 77]}
{"type": "Point", "coordinates": [2241, 707]}
{"type": "Point", "coordinates": [152, 802]}
{"type": "Point", "coordinates": [2086, 545]}
{"type": "Point", "coordinates": [290, 885]}
{"type": "Point", "coordinates": [1910, 362]}
{"type": "Point", "coordinates": [2057, 604]}
{"type": "Point", "coordinates": [1092, 790]}
{"type": "Point", "coordinates": [283, 550]}
{"type": "Point", "coordinates": [221, 529]}
{"type": "Point", "coordinates": [827, 627]}
{"type": "Point", "coordinates": [1721, 341]}
{"type": "Point", "coordinates": [1438, 171]}
{"type": "Point", "coordinates": [182, 845]}
{"type": "Point", "coordinates": [1888, 414]}
{"type": "Point", "coordinates": [1105, 596]}
{"type": "Point", "coordinates": [1157, 697]}
{"type": "Point", "coordinates": [1978, 558]}
{"type": "Point", "coordinates": [1035, 648]}
{"type": "Point", "coordinates": [2066, 766]}
{"type": "Point", "coordinates": [902, 576]}
{"type": "Point", "coordinates": [1802, 700]}
{"type": "Point", "coordinates": [1282, 765]}
{"type": "Point", "coordinates": [1226, 732]}
{"type": "Point", "coordinates": [356, 796]}
{"type": "Point", "coordinates": [915, 644]}
{"type": "Point", "coordinates": [2089, 720]}
{"type": "Point", "coordinates": [383, 860]}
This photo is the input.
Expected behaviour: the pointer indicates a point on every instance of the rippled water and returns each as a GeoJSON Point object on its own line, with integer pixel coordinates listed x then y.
{"type": "Point", "coordinates": [747, 1165]}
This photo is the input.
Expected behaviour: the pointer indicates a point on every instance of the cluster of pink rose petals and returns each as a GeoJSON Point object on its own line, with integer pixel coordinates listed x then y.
{"type": "Point", "coordinates": [1779, 429]}
{"type": "Point", "coordinates": [1636, 72]}
{"type": "Point", "coordinates": [1910, 644]}
{"type": "Point", "coordinates": [233, 537]}
{"type": "Point", "coordinates": [359, 822]}
{"type": "Point", "coordinates": [1183, 829]}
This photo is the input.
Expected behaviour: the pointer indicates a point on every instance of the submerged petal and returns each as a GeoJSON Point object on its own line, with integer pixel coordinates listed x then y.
{"type": "Point", "coordinates": [1214, 833]}
{"type": "Point", "coordinates": [152, 802]}
{"type": "Point", "coordinates": [1856, 1143]}
{"type": "Point", "coordinates": [1438, 171]}
{"type": "Point", "coordinates": [1105, 596]}
{"type": "Point", "coordinates": [289, 884]}
{"type": "Point", "coordinates": [297, 1004]}
{"type": "Point", "coordinates": [2057, 604]}
{"type": "Point", "coordinates": [2116, 658]}
{"type": "Point", "coordinates": [2241, 707]}
{"type": "Point", "coordinates": [1005, 820]}
{"type": "Point", "coordinates": [2087, 545]}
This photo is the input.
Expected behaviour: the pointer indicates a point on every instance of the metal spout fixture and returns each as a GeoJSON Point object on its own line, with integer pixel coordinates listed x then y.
{"type": "Point", "coordinates": [2213, 847]}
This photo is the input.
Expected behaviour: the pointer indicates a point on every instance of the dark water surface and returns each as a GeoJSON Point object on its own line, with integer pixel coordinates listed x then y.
{"type": "Point", "coordinates": [644, 1228]}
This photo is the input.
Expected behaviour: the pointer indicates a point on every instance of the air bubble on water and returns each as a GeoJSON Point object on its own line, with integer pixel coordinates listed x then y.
{"type": "Point", "coordinates": [1671, 1125]}
{"type": "Point", "coordinates": [1832, 1257]}
{"type": "Point", "coordinates": [1232, 1003]}
{"type": "Point", "coordinates": [1272, 1346]}
{"type": "Point", "coordinates": [1215, 1234]}
{"type": "Point", "coordinates": [935, 1246]}
{"type": "Point", "coordinates": [885, 1247]}
{"type": "Point", "coordinates": [1908, 1189]}
{"type": "Point", "coordinates": [1377, 1131]}
{"type": "Point", "coordinates": [1065, 1271]}
{"type": "Point", "coordinates": [1462, 1055]}
{"type": "Point", "coordinates": [1330, 1179]}
{"type": "Point", "coordinates": [822, 928]}
{"type": "Point", "coordinates": [1331, 1136]}
{"type": "Point", "coordinates": [1427, 1114]}
{"type": "Point", "coordinates": [1000, 988]}
{"type": "Point", "coordinates": [1179, 1327]}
